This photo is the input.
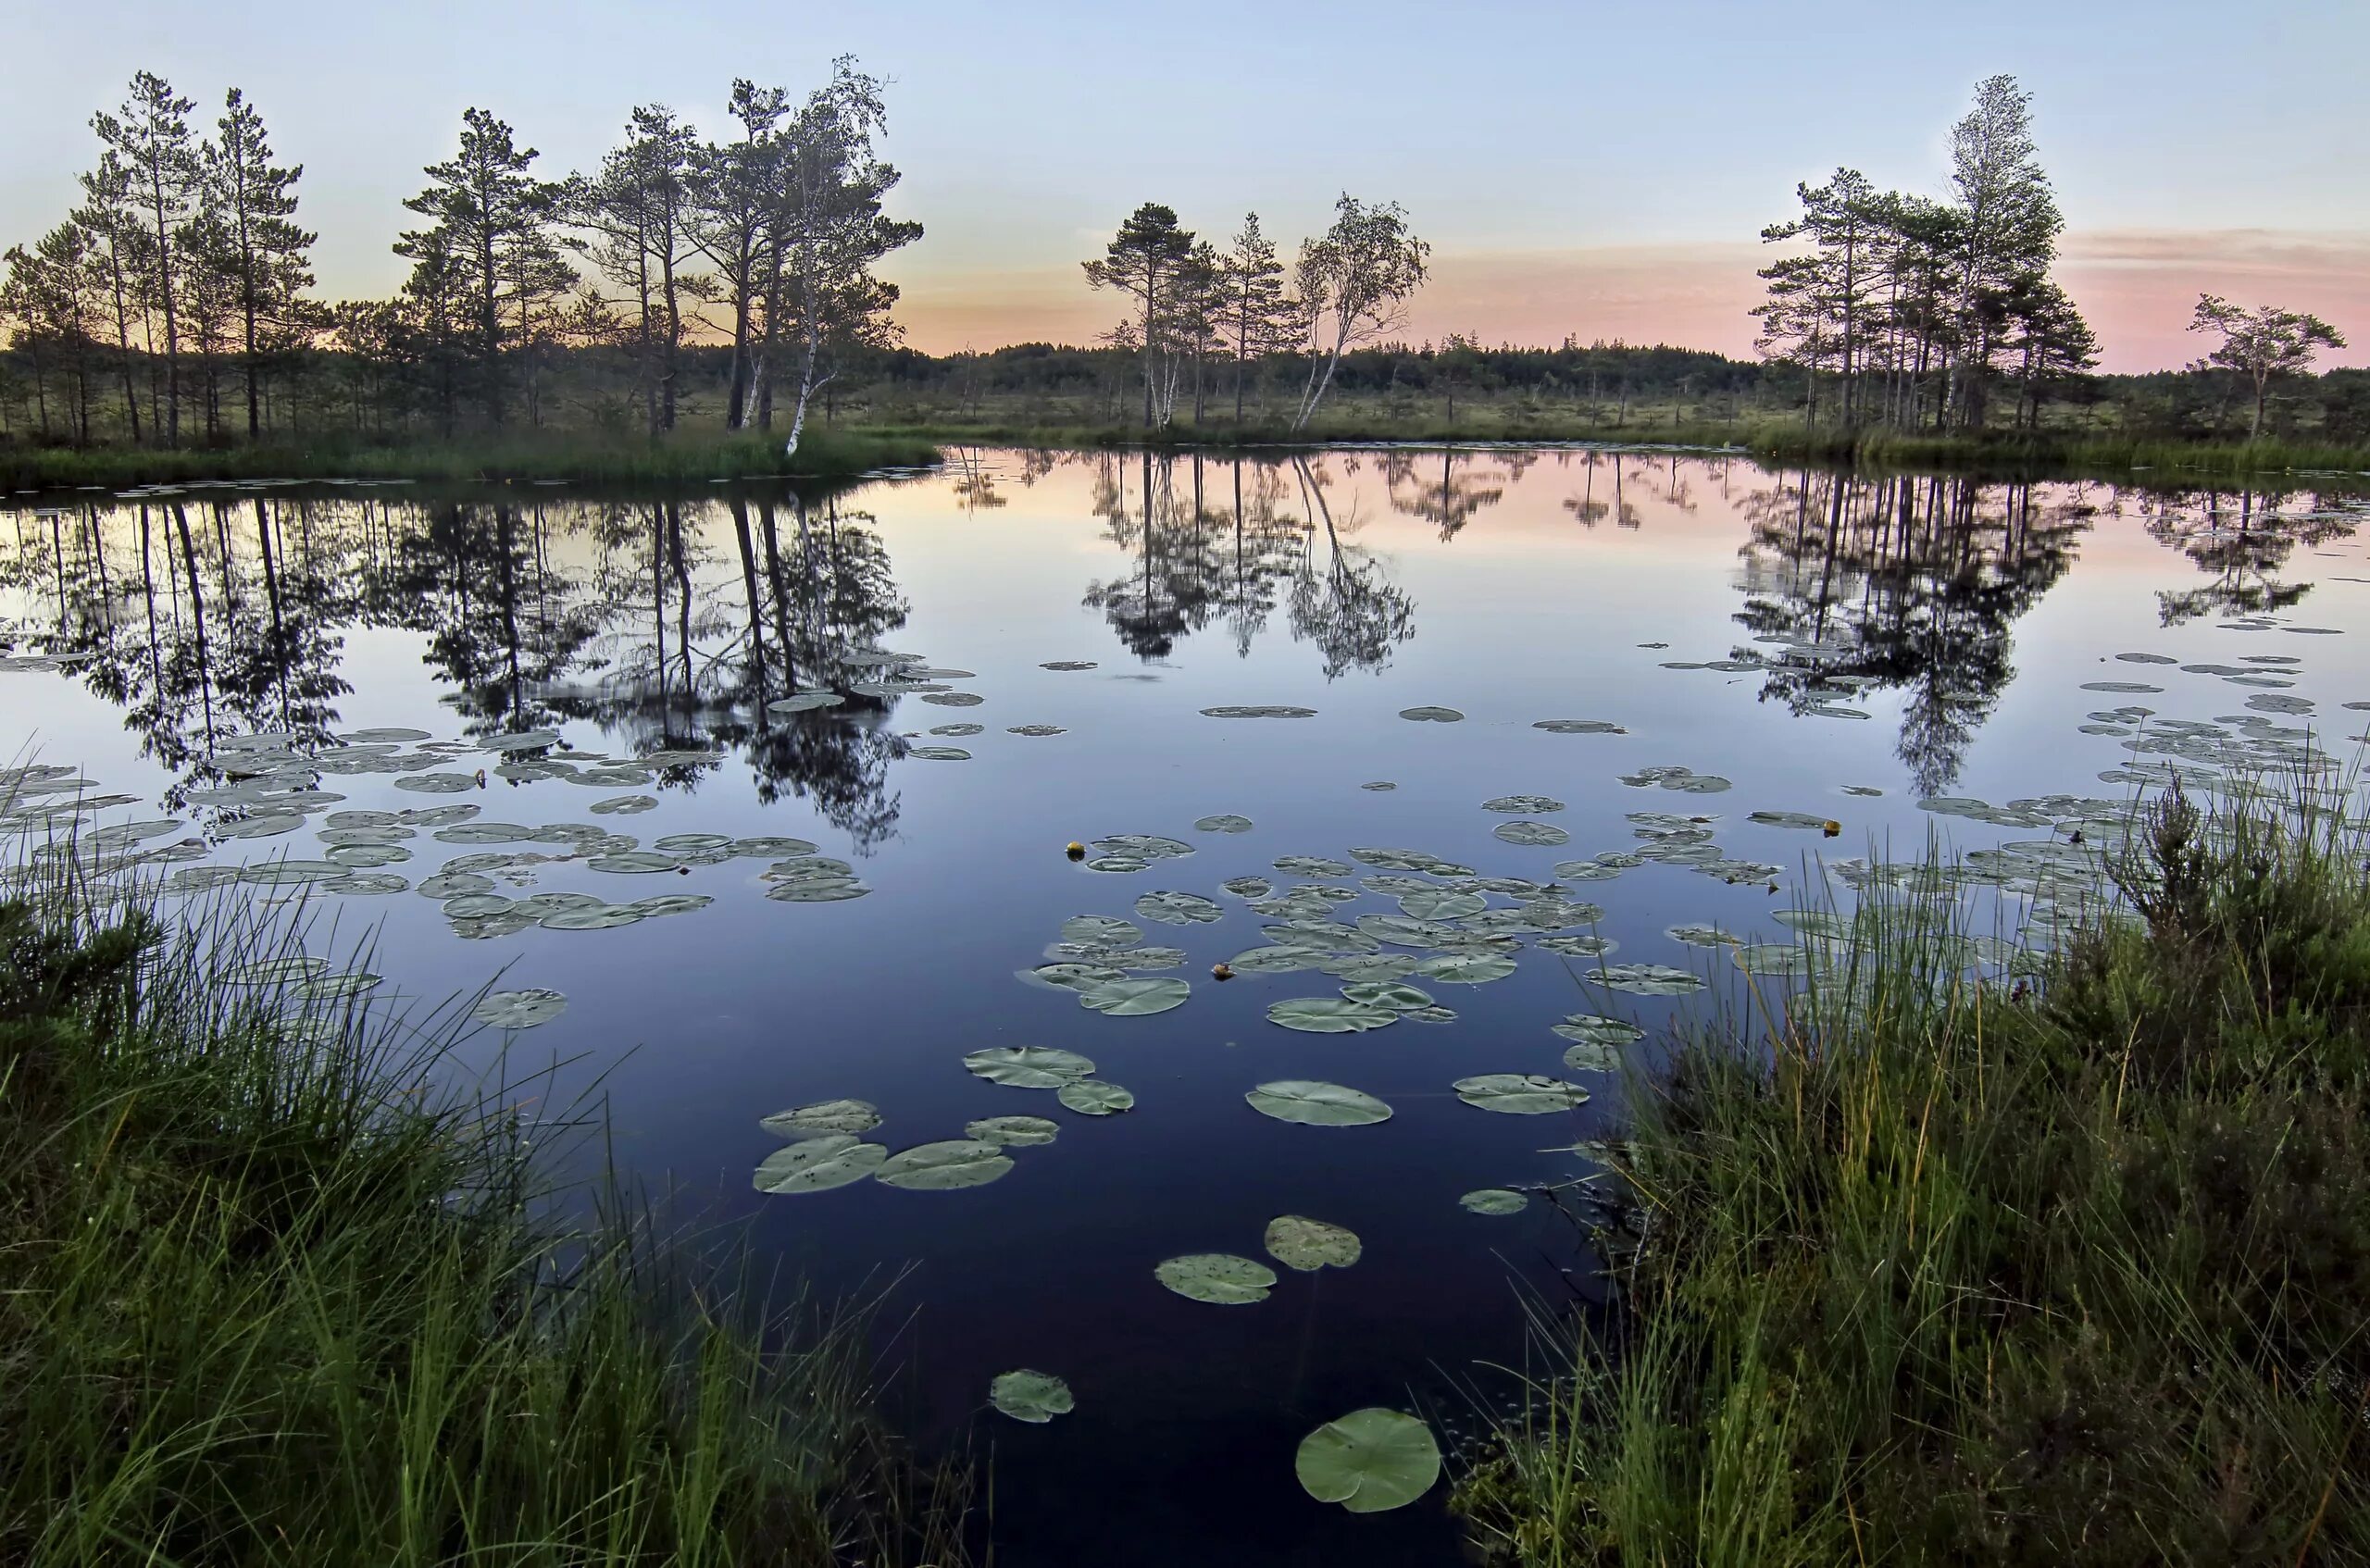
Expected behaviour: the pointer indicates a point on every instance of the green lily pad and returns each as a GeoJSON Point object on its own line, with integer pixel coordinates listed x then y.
{"type": "Point", "coordinates": [1270, 710]}
{"type": "Point", "coordinates": [1805, 821]}
{"type": "Point", "coordinates": [1701, 935]}
{"type": "Point", "coordinates": [521, 1009]}
{"type": "Point", "coordinates": [1495, 1201]}
{"type": "Point", "coordinates": [1523, 806]}
{"type": "Point", "coordinates": [276, 971]}
{"type": "Point", "coordinates": [607, 917]}
{"type": "Point", "coordinates": [1133, 999]}
{"type": "Point", "coordinates": [1309, 1245]}
{"type": "Point", "coordinates": [1431, 715]}
{"type": "Point", "coordinates": [335, 988]}
{"type": "Point", "coordinates": [1071, 976]}
{"type": "Point", "coordinates": [1248, 887]}
{"type": "Point", "coordinates": [1440, 903]}
{"type": "Point", "coordinates": [1318, 1104]}
{"type": "Point", "coordinates": [1029, 1066]}
{"type": "Point", "coordinates": [1577, 726]}
{"type": "Point", "coordinates": [802, 701]}
{"type": "Point", "coordinates": [1380, 785]}
{"type": "Point", "coordinates": [1033, 1397]}
{"type": "Point", "coordinates": [1596, 1028]}
{"type": "Point", "coordinates": [1035, 732]}
{"type": "Point", "coordinates": [1519, 1094]}
{"type": "Point", "coordinates": [1179, 909]}
{"type": "Point", "coordinates": [1273, 960]}
{"type": "Point", "coordinates": [1310, 865]}
{"type": "Point", "coordinates": [817, 890]}
{"type": "Point", "coordinates": [1589, 946]}
{"type": "Point", "coordinates": [1369, 1461]}
{"type": "Point", "coordinates": [820, 1163]}
{"type": "Point", "coordinates": [958, 731]}
{"type": "Point", "coordinates": [1103, 930]}
{"type": "Point", "coordinates": [1389, 995]}
{"type": "Point", "coordinates": [1069, 664]}
{"type": "Point", "coordinates": [1466, 968]}
{"type": "Point", "coordinates": [1329, 1016]}
{"type": "Point", "coordinates": [1648, 979]}
{"type": "Point", "coordinates": [1533, 834]}
{"type": "Point", "coordinates": [1219, 1278]}
{"type": "Point", "coordinates": [634, 863]}
{"type": "Point", "coordinates": [1091, 1096]}
{"type": "Point", "coordinates": [1014, 1132]}
{"type": "Point", "coordinates": [1228, 823]}
{"type": "Point", "coordinates": [824, 1118]}
{"type": "Point", "coordinates": [941, 1167]}
{"type": "Point", "coordinates": [1814, 922]}
{"type": "Point", "coordinates": [940, 754]}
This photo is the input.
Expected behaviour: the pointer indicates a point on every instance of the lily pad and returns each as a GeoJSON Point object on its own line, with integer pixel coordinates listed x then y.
{"type": "Point", "coordinates": [1309, 1245]}
{"type": "Point", "coordinates": [958, 731]}
{"type": "Point", "coordinates": [634, 863]}
{"type": "Point", "coordinates": [1033, 1397]}
{"type": "Point", "coordinates": [1595, 1028]}
{"type": "Point", "coordinates": [1013, 1132]}
{"type": "Point", "coordinates": [1313, 1103]}
{"type": "Point", "coordinates": [1091, 1096]}
{"type": "Point", "coordinates": [520, 1009]}
{"type": "Point", "coordinates": [1310, 865]}
{"type": "Point", "coordinates": [1804, 820]}
{"type": "Point", "coordinates": [1029, 1066]}
{"type": "Point", "coordinates": [1219, 1278]}
{"type": "Point", "coordinates": [1237, 710]}
{"type": "Point", "coordinates": [824, 1118]}
{"type": "Point", "coordinates": [1466, 968]}
{"type": "Point", "coordinates": [953, 699]}
{"type": "Point", "coordinates": [1071, 976]}
{"type": "Point", "coordinates": [1133, 999]}
{"type": "Point", "coordinates": [1520, 1094]}
{"type": "Point", "coordinates": [802, 701]}
{"type": "Point", "coordinates": [1035, 732]}
{"type": "Point", "coordinates": [941, 1167]}
{"type": "Point", "coordinates": [1432, 716]}
{"type": "Point", "coordinates": [1329, 1016]}
{"type": "Point", "coordinates": [1648, 979]}
{"type": "Point", "coordinates": [1179, 909]}
{"type": "Point", "coordinates": [1248, 887]}
{"type": "Point", "coordinates": [1440, 903]}
{"type": "Point", "coordinates": [1389, 995]}
{"type": "Point", "coordinates": [834, 1160]}
{"type": "Point", "coordinates": [1578, 726]}
{"type": "Point", "coordinates": [940, 754]}
{"type": "Point", "coordinates": [1103, 930]}
{"type": "Point", "coordinates": [1531, 833]}
{"type": "Point", "coordinates": [1523, 806]}
{"type": "Point", "coordinates": [1493, 1201]}
{"type": "Point", "coordinates": [1069, 664]}
{"type": "Point", "coordinates": [1369, 1461]}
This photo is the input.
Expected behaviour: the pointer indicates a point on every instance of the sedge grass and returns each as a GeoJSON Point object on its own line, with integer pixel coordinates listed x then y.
{"type": "Point", "coordinates": [269, 1295]}
{"type": "Point", "coordinates": [1928, 1270]}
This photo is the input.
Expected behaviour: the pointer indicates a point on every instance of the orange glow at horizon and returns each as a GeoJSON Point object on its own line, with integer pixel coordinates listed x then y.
{"type": "Point", "coordinates": [2136, 287]}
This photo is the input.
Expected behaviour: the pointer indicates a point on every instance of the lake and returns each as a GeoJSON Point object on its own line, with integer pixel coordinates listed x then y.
{"type": "Point", "coordinates": [776, 792]}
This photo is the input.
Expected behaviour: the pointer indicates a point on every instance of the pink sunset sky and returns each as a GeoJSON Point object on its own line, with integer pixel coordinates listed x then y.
{"type": "Point", "coordinates": [1580, 168]}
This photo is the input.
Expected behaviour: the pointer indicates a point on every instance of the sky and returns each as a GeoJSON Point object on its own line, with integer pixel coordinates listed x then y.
{"type": "Point", "coordinates": [1589, 169]}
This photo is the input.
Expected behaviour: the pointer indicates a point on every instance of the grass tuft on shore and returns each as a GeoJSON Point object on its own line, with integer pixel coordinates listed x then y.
{"type": "Point", "coordinates": [269, 1295]}
{"type": "Point", "coordinates": [1933, 1272]}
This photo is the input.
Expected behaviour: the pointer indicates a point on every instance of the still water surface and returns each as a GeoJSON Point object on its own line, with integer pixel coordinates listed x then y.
{"type": "Point", "coordinates": [1831, 649]}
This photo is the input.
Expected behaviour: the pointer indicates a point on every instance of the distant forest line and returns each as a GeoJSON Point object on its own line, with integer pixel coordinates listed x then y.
{"type": "Point", "coordinates": [728, 291]}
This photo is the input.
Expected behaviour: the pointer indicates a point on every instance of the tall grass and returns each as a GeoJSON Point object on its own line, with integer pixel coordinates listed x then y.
{"type": "Point", "coordinates": [269, 1297]}
{"type": "Point", "coordinates": [580, 456]}
{"type": "Point", "coordinates": [1934, 1271]}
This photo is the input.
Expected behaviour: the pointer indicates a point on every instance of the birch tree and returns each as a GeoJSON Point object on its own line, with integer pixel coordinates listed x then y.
{"type": "Point", "coordinates": [838, 230]}
{"type": "Point", "coordinates": [1363, 269]}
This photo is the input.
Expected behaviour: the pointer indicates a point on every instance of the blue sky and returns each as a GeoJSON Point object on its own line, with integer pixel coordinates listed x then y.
{"type": "Point", "coordinates": [1584, 167]}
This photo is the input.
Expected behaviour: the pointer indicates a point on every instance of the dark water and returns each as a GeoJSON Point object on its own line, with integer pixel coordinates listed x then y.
{"type": "Point", "coordinates": [1916, 637]}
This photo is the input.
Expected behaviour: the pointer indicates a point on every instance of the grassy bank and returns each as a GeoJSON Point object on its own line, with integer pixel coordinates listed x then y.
{"type": "Point", "coordinates": [2037, 454]}
{"type": "Point", "coordinates": [1934, 1272]}
{"type": "Point", "coordinates": [579, 456]}
{"type": "Point", "coordinates": [267, 1298]}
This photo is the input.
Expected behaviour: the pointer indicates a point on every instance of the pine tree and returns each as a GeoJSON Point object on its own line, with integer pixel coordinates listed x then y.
{"type": "Point", "coordinates": [265, 253]}
{"type": "Point", "coordinates": [493, 221]}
